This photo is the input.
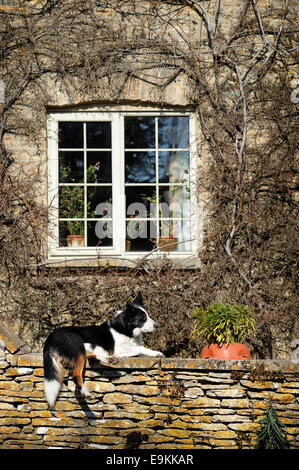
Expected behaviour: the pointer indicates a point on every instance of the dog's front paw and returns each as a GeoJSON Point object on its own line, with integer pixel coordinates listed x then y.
{"type": "Point", "coordinates": [158, 354]}
{"type": "Point", "coordinates": [113, 360]}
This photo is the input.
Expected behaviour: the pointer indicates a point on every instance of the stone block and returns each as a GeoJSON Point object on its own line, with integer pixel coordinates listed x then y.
{"type": "Point", "coordinates": [201, 402]}
{"type": "Point", "coordinates": [235, 403]}
{"type": "Point", "coordinates": [246, 427]}
{"type": "Point", "coordinates": [227, 393]}
{"type": "Point", "coordinates": [193, 392]}
{"type": "Point", "coordinates": [9, 338]}
{"type": "Point", "coordinates": [145, 390]}
{"type": "Point", "coordinates": [119, 398]}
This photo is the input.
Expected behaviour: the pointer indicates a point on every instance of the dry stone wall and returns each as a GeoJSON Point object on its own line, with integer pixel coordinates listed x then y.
{"type": "Point", "coordinates": [144, 403]}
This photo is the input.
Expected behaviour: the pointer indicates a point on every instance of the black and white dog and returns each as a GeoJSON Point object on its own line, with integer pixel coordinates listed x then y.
{"type": "Point", "coordinates": [116, 338]}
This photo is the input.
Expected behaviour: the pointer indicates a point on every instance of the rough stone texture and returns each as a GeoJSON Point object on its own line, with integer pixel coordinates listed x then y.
{"type": "Point", "coordinates": [172, 403]}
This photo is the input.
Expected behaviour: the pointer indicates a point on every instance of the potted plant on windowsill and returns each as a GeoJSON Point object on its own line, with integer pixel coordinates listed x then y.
{"type": "Point", "coordinates": [225, 327]}
{"type": "Point", "coordinates": [166, 240]}
{"type": "Point", "coordinates": [76, 234]}
{"type": "Point", "coordinates": [71, 204]}
{"type": "Point", "coordinates": [168, 243]}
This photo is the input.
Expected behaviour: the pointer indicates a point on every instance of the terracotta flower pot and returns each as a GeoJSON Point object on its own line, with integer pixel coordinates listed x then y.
{"type": "Point", "coordinates": [75, 240]}
{"type": "Point", "coordinates": [226, 351]}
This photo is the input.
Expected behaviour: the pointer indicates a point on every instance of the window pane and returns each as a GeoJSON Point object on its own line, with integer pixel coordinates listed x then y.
{"type": "Point", "coordinates": [140, 201]}
{"type": "Point", "coordinates": [98, 135]}
{"type": "Point", "coordinates": [69, 228]}
{"type": "Point", "coordinates": [99, 201]}
{"type": "Point", "coordinates": [71, 167]}
{"type": "Point", "coordinates": [70, 135]}
{"type": "Point", "coordinates": [173, 132]}
{"type": "Point", "coordinates": [173, 233]}
{"type": "Point", "coordinates": [99, 167]}
{"type": "Point", "coordinates": [174, 167]}
{"type": "Point", "coordinates": [174, 201]}
{"type": "Point", "coordinates": [141, 235]}
{"type": "Point", "coordinates": [99, 233]}
{"type": "Point", "coordinates": [140, 167]}
{"type": "Point", "coordinates": [140, 132]}
{"type": "Point", "coordinates": [71, 202]}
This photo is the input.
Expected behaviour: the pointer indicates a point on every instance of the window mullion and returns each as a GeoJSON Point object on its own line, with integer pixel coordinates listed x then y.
{"type": "Point", "coordinates": [118, 214]}
{"type": "Point", "coordinates": [157, 178]}
{"type": "Point", "coordinates": [85, 181]}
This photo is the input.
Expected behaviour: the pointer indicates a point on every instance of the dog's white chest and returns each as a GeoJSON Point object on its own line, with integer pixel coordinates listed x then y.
{"type": "Point", "coordinates": [123, 345]}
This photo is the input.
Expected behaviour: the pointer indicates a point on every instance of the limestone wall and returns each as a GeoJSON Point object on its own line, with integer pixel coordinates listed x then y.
{"type": "Point", "coordinates": [144, 402]}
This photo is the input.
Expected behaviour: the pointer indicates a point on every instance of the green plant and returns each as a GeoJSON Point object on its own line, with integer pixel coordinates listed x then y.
{"type": "Point", "coordinates": [271, 435]}
{"type": "Point", "coordinates": [71, 198]}
{"type": "Point", "coordinates": [223, 323]}
{"type": "Point", "coordinates": [71, 205]}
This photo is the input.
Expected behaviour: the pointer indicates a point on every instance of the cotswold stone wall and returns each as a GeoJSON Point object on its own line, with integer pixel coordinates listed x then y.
{"type": "Point", "coordinates": [145, 403]}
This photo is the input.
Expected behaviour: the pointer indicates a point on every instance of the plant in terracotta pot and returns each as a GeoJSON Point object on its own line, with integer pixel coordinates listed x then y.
{"type": "Point", "coordinates": [225, 327]}
{"type": "Point", "coordinates": [71, 204]}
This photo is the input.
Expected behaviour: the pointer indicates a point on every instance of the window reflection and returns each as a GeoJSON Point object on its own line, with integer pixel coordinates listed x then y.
{"type": "Point", "coordinates": [173, 132]}
{"type": "Point", "coordinates": [140, 167]}
{"type": "Point", "coordinates": [98, 135]}
{"type": "Point", "coordinates": [174, 167]}
{"type": "Point", "coordinates": [175, 201]}
{"type": "Point", "coordinates": [140, 132]}
{"type": "Point", "coordinates": [70, 135]}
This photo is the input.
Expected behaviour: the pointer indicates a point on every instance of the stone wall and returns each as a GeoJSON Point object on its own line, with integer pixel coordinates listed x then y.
{"type": "Point", "coordinates": [144, 402]}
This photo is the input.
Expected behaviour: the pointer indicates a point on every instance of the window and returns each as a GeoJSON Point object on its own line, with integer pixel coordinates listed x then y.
{"type": "Point", "coordinates": [121, 184]}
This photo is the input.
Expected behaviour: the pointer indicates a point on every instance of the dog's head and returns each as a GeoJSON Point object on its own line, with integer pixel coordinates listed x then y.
{"type": "Point", "coordinates": [134, 319]}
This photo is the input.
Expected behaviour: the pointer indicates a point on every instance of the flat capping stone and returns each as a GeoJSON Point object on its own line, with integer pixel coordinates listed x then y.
{"type": "Point", "coordinates": [36, 359]}
{"type": "Point", "coordinates": [10, 340]}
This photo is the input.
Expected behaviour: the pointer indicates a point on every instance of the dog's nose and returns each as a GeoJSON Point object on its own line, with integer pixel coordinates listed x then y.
{"type": "Point", "coordinates": [155, 325]}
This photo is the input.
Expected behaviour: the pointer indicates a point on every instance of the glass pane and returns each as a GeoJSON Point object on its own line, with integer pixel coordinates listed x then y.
{"type": "Point", "coordinates": [98, 135]}
{"type": "Point", "coordinates": [99, 167]}
{"type": "Point", "coordinates": [141, 201]}
{"type": "Point", "coordinates": [70, 135]}
{"type": "Point", "coordinates": [141, 235]}
{"type": "Point", "coordinates": [174, 167]}
{"type": "Point", "coordinates": [140, 167]}
{"type": "Point", "coordinates": [173, 132]}
{"type": "Point", "coordinates": [140, 132]}
{"type": "Point", "coordinates": [99, 233]}
{"type": "Point", "coordinates": [172, 233]}
{"type": "Point", "coordinates": [71, 202]}
{"type": "Point", "coordinates": [99, 201]}
{"type": "Point", "coordinates": [71, 233]}
{"type": "Point", "coordinates": [174, 201]}
{"type": "Point", "coordinates": [71, 167]}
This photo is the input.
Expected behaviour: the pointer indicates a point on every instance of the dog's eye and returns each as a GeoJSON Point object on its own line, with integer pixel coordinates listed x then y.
{"type": "Point", "coordinates": [142, 317]}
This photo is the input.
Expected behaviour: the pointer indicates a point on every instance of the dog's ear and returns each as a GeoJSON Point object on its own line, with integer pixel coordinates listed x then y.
{"type": "Point", "coordinates": [138, 299]}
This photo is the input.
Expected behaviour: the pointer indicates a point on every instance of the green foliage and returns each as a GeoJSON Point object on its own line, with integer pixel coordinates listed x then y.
{"type": "Point", "coordinates": [71, 198]}
{"type": "Point", "coordinates": [271, 434]}
{"type": "Point", "coordinates": [224, 323]}
{"type": "Point", "coordinates": [71, 205]}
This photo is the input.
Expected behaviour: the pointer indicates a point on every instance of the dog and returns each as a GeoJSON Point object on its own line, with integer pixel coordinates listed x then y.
{"type": "Point", "coordinates": [70, 346]}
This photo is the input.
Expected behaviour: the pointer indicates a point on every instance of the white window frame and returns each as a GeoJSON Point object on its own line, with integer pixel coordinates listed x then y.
{"type": "Point", "coordinates": [117, 251]}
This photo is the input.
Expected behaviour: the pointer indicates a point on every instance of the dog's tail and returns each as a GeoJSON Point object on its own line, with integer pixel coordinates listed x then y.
{"type": "Point", "coordinates": [53, 375]}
